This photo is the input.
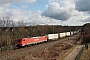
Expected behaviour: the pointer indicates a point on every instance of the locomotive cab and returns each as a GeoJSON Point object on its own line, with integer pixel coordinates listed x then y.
{"type": "Point", "coordinates": [21, 42]}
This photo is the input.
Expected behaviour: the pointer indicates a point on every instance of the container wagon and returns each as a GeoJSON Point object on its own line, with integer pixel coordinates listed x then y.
{"type": "Point", "coordinates": [52, 37]}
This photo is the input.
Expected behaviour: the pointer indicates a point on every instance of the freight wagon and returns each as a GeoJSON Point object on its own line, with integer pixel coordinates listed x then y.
{"type": "Point", "coordinates": [67, 33]}
{"type": "Point", "coordinates": [62, 35]}
{"type": "Point", "coordinates": [72, 32]}
{"type": "Point", "coordinates": [52, 36]}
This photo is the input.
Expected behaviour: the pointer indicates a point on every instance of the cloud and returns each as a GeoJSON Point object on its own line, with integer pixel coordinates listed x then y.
{"type": "Point", "coordinates": [24, 6]}
{"type": "Point", "coordinates": [35, 18]}
{"type": "Point", "coordinates": [83, 5]}
{"type": "Point", "coordinates": [25, 16]}
{"type": "Point", "coordinates": [68, 11]}
{"type": "Point", "coordinates": [60, 11]}
{"type": "Point", "coordinates": [16, 1]}
{"type": "Point", "coordinates": [57, 13]}
{"type": "Point", "coordinates": [87, 19]}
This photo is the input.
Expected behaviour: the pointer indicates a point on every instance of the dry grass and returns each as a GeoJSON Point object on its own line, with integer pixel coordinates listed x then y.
{"type": "Point", "coordinates": [48, 53]}
{"type": "Point", "coordinates": [86, 54]}
{"type": "Point", "coordinates": [66, 54]}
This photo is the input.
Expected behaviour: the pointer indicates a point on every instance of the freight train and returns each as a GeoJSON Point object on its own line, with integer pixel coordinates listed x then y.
{"type": "Point", "coordinates": [49, 37]}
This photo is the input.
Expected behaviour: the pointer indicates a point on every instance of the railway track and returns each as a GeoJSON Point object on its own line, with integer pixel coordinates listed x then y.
{"type": "Point", "coordinates": [14, 54]}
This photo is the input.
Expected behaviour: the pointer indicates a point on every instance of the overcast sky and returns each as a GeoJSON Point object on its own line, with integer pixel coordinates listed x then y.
{"type": "Point", "coordinates": [51, 12]}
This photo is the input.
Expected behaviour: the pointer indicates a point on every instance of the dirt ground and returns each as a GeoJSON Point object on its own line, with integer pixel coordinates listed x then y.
{"type": "Point", "coordinates": [48, 53]}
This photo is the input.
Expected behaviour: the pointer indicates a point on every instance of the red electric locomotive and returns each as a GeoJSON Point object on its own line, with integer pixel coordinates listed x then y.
{"type": "Point", "coordinates": [33, 40]}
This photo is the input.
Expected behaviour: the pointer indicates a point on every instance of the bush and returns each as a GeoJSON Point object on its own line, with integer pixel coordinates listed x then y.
{"type": "Point", "coordinates": [86, 38]}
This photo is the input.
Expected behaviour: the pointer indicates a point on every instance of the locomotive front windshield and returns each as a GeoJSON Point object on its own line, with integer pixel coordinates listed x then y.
{"type": "Point", "coordinates": [19, 40]}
